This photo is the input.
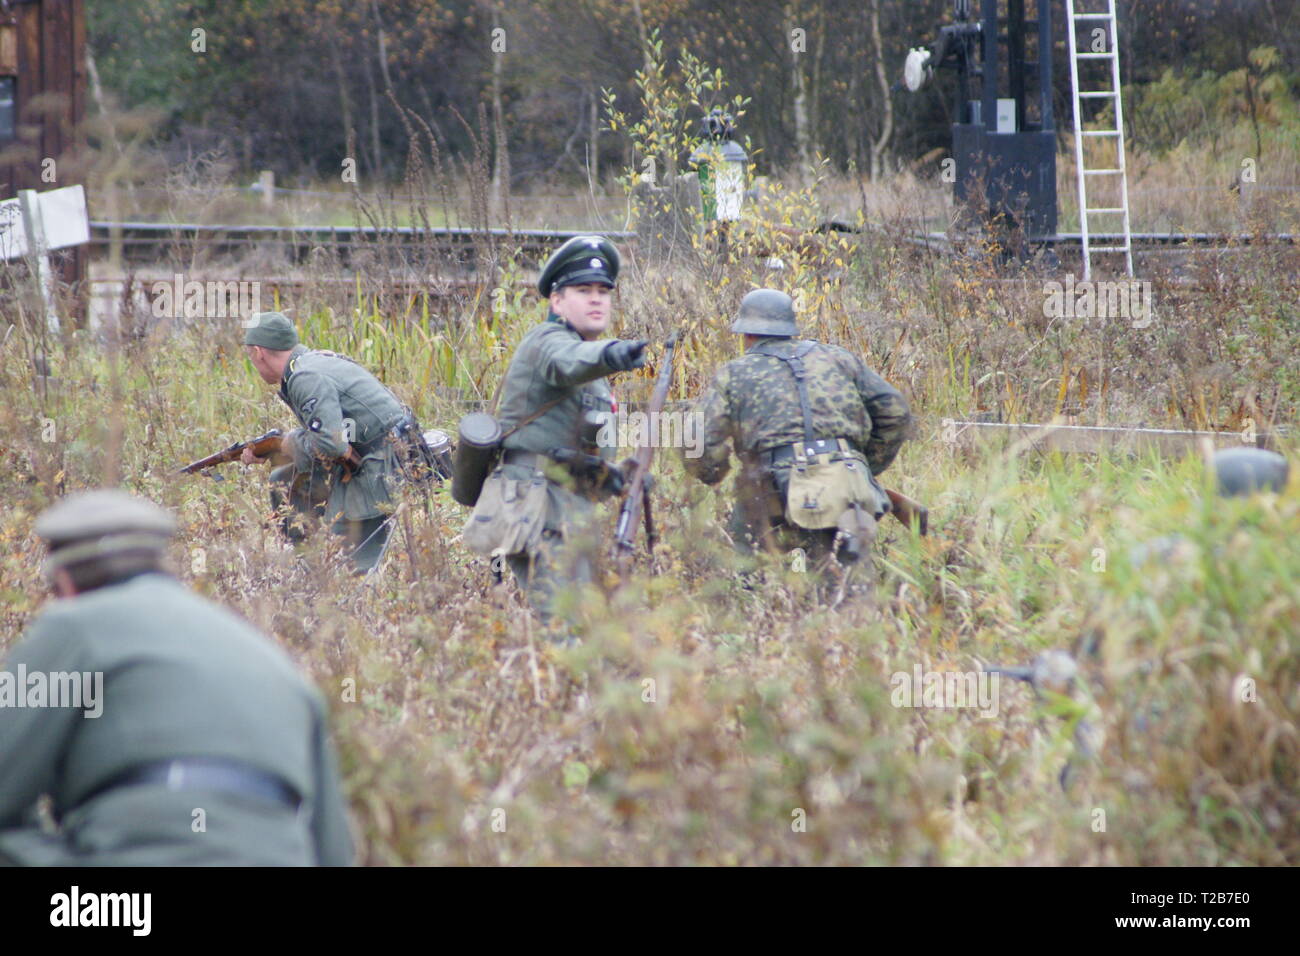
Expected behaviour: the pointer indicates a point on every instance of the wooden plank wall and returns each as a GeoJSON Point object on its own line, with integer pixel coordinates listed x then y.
{"type": "Point", "coordinates": [22, 168]}
{"type": "Point", "coordinates": [43, 42]}
{"type": "Point", "coordinates": [46, 41]}
{"type": "Point", "coordinates": [1095, 439]}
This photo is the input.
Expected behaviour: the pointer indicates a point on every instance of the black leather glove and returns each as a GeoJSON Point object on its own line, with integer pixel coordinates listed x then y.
{"type": "Point", "coordinates": [612, 481]}
{"type": "Point", "coordinates": [623, 355]}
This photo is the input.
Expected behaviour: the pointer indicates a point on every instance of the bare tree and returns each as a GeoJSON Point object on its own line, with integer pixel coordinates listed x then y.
{"type": "Point", "coordinates": [501, 157]}
{"type": "Point", "coordinates": [796, 42]}
{"type": "Point", "coordinates": [881, 143]}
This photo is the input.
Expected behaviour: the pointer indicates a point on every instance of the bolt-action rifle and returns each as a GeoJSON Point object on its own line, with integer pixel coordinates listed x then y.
{"type": "Point", "coordinates": [262, 446]}
{"type": "Point", "coordinates": [636, 499]}
{"type": "Point", "coordinates": [908, 510]}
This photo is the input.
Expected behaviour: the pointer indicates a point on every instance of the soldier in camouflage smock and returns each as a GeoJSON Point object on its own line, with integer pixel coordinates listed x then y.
{"type": "Point", "coordinates": [754, 405]}
{"type": "Point", "coordinates": [345, 455]}
{"type": "Point", "coordinates": [554, 401]}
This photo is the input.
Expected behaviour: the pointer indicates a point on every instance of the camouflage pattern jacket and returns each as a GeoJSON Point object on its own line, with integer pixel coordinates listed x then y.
{"type": "Point", "coordinates": [338, 403]}
{"type": "Point", "coordinates": [753, 404]}
{"type": "Point", "coordinates": [181, 677]}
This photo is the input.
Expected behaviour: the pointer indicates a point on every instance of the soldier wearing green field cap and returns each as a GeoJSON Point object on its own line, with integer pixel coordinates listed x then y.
{"type": "Point", "coordinates": [165, 730]}
{"type": "Point", "coordinates": [555, 399]}
{"type": "Point", "coordinates": [345, 455]}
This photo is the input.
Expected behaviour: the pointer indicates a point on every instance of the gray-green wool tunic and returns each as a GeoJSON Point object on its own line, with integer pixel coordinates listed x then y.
{"type": "Point", "coordinates": [181, 678]}
{"type": "Point", "coordinates": [338, 403]}
{"type": "Point", "coordinates": [553, 364]}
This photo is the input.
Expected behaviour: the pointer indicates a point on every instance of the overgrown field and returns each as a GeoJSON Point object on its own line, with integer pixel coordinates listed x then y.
{"type": "Point", "coordinates": [701, 721]}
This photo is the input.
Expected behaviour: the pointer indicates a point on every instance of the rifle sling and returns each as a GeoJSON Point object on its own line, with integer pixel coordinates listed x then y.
{"type": "Point", "coordinates": [533, 417]}
{"type": "Point", "coordinates": [496, 401]}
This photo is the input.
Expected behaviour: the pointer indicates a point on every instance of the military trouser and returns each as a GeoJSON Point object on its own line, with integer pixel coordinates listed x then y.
{"type": "Point", "coordinates": [553, 564]}
{"type": "Point", "coordinates": [305, 493]}
{"type": "Point", "coordinates": [567, 554]}
{"type": "Point", "coordinates": [758, 523]}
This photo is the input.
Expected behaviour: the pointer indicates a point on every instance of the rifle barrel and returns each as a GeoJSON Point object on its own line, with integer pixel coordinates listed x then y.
{"type": "Point", "coordinates": [635, 499]}
{"type": "Point", "coordinates": [233, 452]}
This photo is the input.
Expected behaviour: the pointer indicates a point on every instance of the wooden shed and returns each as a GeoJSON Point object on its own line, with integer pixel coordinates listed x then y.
{"type": "Point", "coordinates": [42, 87]}
{"type": "Point", "coordinates": [42, 100]}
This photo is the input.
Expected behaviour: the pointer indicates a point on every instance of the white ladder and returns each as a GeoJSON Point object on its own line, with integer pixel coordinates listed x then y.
{"type": "Point", "coordinates": [1117, 133]}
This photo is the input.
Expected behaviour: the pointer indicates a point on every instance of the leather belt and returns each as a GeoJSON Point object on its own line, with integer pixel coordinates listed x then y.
{"type": "Point", "coordinates": [366, 448]}
{"type": "Point", "coordinates": [357, 451]}
{"type": "Point", "coordinates": [822, 446]}
{"type": "Point", "coordinates": [529, 459]}
{"type": "Point", "coordinates": [594, 477]}
{"type": "Point", "coordinates": [208, 773]}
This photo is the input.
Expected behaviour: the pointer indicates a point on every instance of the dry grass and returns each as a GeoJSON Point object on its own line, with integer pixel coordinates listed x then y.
{"type": "Point", "coordinates": [767, 707]}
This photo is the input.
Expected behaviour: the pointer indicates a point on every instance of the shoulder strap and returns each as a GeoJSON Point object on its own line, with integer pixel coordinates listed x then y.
{"type": "Point", "coordinates": [794, 362]}
{"type": "Point", "coordinates": [533, 417]}
{"type": "Point", "coordinates": [292, 369]}
{"type": "Point", "coordinates": [332, 354]}
{"type": "Point", "coordinates": [496, 399]}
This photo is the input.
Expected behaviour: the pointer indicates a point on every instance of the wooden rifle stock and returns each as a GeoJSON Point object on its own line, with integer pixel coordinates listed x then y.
{"type": "Point", "coordinates": [909, 511]}
{"type": "Point", "coordinates": [262, 446]}
{"type": "Point", "coordinates": [636, 498]}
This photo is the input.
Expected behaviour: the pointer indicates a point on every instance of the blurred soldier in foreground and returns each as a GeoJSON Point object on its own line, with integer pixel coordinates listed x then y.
{"type": "Point", "coordinates": [812, 427]}
{"type": "Point", "coordinates": [537, 507]}
{"type": "Point", "coordinates": [345, 457]}
{"type": "Point", "coordinates": [1054, 674]}
{"type": "Point", "coordinates": [1238, 473]}
{"type": "Point", "coordinates": [1244, 471]}
{"type": "Point", "coordinates": [166, 730]}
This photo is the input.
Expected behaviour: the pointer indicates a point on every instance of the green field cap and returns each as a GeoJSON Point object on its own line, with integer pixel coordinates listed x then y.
{"type": "Point", "coordinates": [94, 524]}
{"type": "Point", "coordinates": [270, 330]}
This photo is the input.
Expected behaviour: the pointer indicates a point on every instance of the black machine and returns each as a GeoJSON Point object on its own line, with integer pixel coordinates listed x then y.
{"type": "Point", "coordinates": [1004, 140]}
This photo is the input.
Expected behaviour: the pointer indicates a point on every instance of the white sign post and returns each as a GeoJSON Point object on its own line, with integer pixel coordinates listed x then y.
{"type": "Point", "coordinates": [35, 223]}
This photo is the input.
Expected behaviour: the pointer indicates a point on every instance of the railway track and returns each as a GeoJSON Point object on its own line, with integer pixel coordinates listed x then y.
{"type": "Point", "coordinates": [144, 242]}
{"type": "Point", "coordinates": [445, 263]}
